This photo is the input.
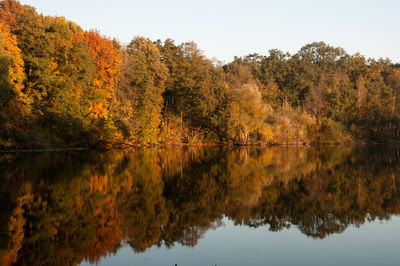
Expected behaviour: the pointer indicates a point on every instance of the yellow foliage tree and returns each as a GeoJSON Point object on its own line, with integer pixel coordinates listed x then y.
{"type": "Point", "coordinates": [16, 75]}
{"type": "Point", "coordinates": [247, 113]}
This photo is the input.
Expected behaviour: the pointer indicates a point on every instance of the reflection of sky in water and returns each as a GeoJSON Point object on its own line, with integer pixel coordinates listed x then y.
{"type": "Point", "coordinates": [374, 243]}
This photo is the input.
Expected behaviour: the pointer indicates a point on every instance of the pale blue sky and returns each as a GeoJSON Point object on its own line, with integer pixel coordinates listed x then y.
{"type": "Point", "coordinates": [226, 28]}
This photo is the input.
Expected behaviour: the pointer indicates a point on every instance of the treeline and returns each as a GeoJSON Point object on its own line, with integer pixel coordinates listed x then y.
{"type": "Point", "coordinates": [63, 208]}
{"type": "Point", "coordinates": [63, 86]}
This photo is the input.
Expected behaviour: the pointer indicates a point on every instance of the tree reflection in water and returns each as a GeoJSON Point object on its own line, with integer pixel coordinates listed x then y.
{"type": "Point", "coordinates": [63, 208]}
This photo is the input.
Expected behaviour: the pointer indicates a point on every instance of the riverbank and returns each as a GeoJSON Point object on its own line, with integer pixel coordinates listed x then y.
{"type": "Point", "coordinates": [120, 146]}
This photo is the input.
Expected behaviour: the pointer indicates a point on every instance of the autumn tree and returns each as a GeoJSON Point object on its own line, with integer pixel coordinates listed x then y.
{"type": "Point", "coordinates": [394, 83]}
{"type": "Point", "coordinates": [107, 60]}
{"type": "Point", "coordinates": [9, 12]}
{"type": "Point", "coordinates": [70, 78]}
{"type": "Point", "coordinates": [63, 86]}
{"type": "Point", "coordinates": [247, 112]}
{"type": "Point", "coordinates": [57, 71]}
{"type": "Point", "coordinates": [15, 103]}
{"type": "Point", "coordinates": [141, 86]}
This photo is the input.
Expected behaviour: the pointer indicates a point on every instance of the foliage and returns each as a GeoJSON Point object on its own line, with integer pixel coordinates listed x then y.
{"type": "Point", "coordinates": [292, 126]}
{"type": "Point", "coordinates": [144, 75]}
{"type": "Point", "coordinates": [246, 113]}
{"type": "Point", "coordinates": [195, 88]}
{"type": "Point", "coordinates": [62, 86]}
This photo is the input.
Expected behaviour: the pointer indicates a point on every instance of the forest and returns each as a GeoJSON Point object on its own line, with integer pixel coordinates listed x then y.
{"type": "Point", "coordinates": [62, 86]}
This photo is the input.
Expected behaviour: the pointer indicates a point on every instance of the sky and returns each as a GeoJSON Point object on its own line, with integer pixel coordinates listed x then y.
{"type": "Point", "coordinates": [223, 29]}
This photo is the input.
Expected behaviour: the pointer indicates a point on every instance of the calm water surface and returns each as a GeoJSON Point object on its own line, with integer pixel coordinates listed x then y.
{"type": "Point", "coordinates": [202, 206]}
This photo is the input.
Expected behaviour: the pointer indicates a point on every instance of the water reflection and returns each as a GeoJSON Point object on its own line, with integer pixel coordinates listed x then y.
{"type": "Point", "coordinates": [64, 208]}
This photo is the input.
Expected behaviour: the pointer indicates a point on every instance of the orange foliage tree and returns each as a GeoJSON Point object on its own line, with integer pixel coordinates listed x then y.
{"type": "Point", "coordinates": [108, 60]}
{"type": "Point", "coordinates": [8, 12]}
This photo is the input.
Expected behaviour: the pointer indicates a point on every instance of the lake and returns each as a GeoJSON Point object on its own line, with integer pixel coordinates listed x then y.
{"type": "Point", "coordinates": [284, 205]}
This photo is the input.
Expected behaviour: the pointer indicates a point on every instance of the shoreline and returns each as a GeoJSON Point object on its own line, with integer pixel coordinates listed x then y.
{"type": "Point", "coordinates": [123, 146]}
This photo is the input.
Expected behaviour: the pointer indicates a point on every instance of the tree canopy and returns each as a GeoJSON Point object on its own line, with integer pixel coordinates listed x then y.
{"type": "Point", "coordinates": [62, 86]}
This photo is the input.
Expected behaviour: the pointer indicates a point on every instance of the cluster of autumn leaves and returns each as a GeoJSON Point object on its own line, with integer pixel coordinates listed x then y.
{"type": "Point", "coordinates": [63, 208]}
{"type": "Point", "coordinates": [63, 86]}
{"type": "Point", "coordinates": [58, 81]}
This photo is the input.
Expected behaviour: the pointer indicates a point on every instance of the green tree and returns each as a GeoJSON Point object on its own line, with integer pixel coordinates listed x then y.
{"type": "Point", "coordinates": [195, 89]}
{"type": "Point", "coordinates": [142, 84]}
